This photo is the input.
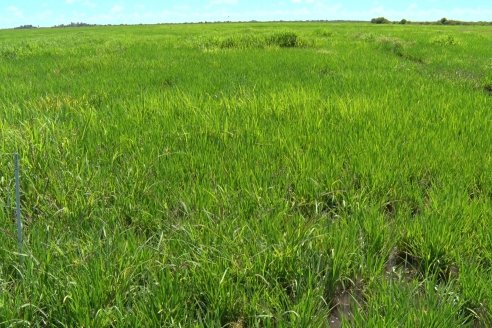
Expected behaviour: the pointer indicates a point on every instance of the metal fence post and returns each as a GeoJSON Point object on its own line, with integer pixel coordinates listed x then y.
{"type": "Point", "coordinates": [18, 207]}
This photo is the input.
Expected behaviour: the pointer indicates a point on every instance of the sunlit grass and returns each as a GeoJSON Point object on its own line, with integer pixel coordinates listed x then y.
{"type": "Point", "coordinates": [248, 175]}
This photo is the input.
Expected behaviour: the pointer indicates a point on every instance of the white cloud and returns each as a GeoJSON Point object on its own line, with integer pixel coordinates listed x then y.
{"type": "Point", "coordinates": [305, 1]}
{"type": "Point", "coordinates": [15, 11]}
{"type": "Point", "coordinates": [412, 6]}
{"type": "Point", "coordinates": [222, 2]}
{"type": "Point", "coordinates": [117, 9]}
{"type": "Point", "coordinates": [85, 3]}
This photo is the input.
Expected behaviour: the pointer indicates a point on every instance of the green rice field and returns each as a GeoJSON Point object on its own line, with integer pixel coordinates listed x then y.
{"type": "Point", "coordinates": [247, 175]}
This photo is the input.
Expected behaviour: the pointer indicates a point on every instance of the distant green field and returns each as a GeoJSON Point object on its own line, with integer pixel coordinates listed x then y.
{"type": "Point", "coordinates": [248, 175]}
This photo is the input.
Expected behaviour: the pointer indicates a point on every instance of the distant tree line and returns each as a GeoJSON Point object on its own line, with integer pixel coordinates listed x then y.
{"type": "Point", "coordinates": [378, 20]}
{"type": "Point", "coordinates": [78, 24]}
{"type": "Point", "coordinates": [442, 21]}
{"type": "Point", "coordinates": [25, 27]}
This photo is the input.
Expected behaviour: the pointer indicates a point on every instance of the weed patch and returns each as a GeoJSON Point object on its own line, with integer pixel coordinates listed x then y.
{"type": "Point", "coordinates": [23, 50]}
{"type": "Point", "coordinates": [253, 41]}
{"type": "Point", "coordinates": [284, 40]}
{"type": "Point", "coordinates": [368, 37]}
{"type": "Point", "coordinates": [397, 47]}
{"type": "Point", "coordinates": [235, 42]}
{"type": "Point", "coordinates": [324, 33]}
{"type": "Point", "coordinates": [391, 44]}
{"type": "Point", "coordinates": [445, 40]}
{"type": "Point", "coordinates": [329, 204]}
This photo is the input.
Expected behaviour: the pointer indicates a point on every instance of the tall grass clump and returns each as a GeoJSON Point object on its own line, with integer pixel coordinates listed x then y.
{"type": "Point", "coordinates": [391, 44]}
{"type": "Point", "coordinates": [255, 41]}
{"type": "Point", "coordinates": [284, 40]}
{"type": "Point", "coordinates": [238, 41]}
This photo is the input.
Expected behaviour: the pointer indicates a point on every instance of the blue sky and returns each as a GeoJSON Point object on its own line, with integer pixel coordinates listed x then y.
{"type": "Point", "coordinates": [51, 12]}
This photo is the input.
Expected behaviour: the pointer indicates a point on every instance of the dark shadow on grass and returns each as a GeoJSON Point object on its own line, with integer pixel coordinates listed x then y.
{"type": "Point", "coordinates": [488, 89]}
{"type": "Point", "coordinates": [405, 264]}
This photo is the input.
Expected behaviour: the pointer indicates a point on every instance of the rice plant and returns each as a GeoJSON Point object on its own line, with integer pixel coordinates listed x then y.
{"type": "Point", "coordinates": [248, 175]}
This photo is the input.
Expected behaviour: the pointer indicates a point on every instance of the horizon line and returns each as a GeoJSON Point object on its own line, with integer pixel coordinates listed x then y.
{"type": "Point", "coordinates": [84, 24]}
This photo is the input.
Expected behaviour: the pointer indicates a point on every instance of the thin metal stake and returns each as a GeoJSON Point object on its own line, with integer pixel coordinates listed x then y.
{"type": "Point", "coordinates": [18, 207]}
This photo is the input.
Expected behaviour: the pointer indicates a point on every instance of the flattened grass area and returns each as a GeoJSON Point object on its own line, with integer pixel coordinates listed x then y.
{"type": "Point", "coordinates": [248, 175]}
